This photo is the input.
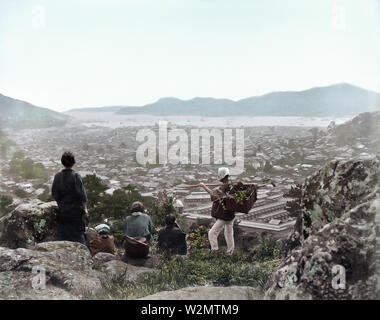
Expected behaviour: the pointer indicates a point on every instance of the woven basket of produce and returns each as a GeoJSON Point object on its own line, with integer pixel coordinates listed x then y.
{"type": "Point", "coordinates": [137, 248]}
{"type": "Point", "coordinates": [240, 198]}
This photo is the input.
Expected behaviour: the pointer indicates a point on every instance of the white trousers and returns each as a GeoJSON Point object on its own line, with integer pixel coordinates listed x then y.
{"type": "Point", "coordinates": [228, 234]}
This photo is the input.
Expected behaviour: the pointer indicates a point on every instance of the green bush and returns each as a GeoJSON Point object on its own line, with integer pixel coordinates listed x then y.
{"type": "Point", "coordinates": [26, 167]}
{"type": "Point", "coordinates": [21, 193]}
{"type": "Point", "coordinates": [94, 188]}
{"type": "Point", "coordinates": [197, 238]}
{"type": "Point", "coordinates": [45, 196]}
{"type": "Point", "coordinates": [267, 249]}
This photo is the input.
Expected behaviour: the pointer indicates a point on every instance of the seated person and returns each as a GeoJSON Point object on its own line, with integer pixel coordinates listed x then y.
{"type": "Point", "coordinates": [172, 238]}
{"type": "Point", "coordinates": [104, 242]}
{"type": "Point", "coordinates": [138, 231]}
{"type": "Point", "coordinates": [90, 235]}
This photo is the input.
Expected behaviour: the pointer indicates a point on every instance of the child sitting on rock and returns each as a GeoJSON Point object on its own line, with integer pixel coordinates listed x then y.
{"type": "Point", "coordinates": [104, 242]}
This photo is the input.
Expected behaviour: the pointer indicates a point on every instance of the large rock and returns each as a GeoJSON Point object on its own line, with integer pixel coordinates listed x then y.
{"type": "Point", "coordinates": [68, 268]}
{"type": "Point", "coordinates": [28, 224]}
{"type": "Point", "coordinates": [114, 268]}
{"type": "Point", "coordinates": [338, 230]}
{"type": "Point", "coordinates": [103, 257]}
{"type": "Point", "coordinates": [208, 293]}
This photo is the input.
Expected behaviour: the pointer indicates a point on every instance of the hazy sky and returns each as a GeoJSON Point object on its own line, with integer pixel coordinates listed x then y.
{"type": "Point", "coordinates": [77, 53]}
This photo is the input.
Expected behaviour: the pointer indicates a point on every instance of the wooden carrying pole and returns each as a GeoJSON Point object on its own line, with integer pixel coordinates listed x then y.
{"type": "Point", "coordinates": [220, 184]}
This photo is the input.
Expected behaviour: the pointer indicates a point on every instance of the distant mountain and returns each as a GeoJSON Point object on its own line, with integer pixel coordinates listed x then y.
{"type": "Point", "coordinates": [175, 106]}
{"type": "Point", "coordinates": [335, 100]}
{"type": "Point", "coordinates": [97, 109]}
{"type": "Point", "coordinates": [20, 114]}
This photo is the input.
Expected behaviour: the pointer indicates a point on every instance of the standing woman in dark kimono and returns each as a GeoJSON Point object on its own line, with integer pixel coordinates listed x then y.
{"type": "Point", "coordinates": [69, 192]}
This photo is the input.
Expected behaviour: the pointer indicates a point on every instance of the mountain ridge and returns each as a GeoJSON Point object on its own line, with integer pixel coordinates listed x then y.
{"type": "Point", "coordinates": [341, 99]}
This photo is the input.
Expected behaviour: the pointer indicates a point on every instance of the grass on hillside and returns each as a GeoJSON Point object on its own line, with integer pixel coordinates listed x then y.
{"type": "Point", "coordinates": [199, 268]}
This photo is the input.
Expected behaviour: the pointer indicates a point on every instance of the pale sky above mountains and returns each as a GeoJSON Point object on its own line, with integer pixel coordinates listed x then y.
{"type": "Point", "coordinates": [85, 53]}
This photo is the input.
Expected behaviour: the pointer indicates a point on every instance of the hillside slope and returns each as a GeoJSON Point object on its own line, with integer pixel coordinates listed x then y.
{"type": "Point", "coordinates": [20, 114]}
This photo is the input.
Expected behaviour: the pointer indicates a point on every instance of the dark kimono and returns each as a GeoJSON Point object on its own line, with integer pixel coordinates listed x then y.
{"type": "Point", "coordinates": [69, 192]}
{"type": "Point", "coordinates": [172, 239]}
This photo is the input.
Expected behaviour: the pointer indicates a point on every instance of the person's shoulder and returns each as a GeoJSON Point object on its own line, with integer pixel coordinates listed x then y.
{"type": "Point", "coordinates": [77, 174]}
{"type": "Point", "coordinates": [57, 176]}
{"type": "Point", "coordinates": [59, 173]}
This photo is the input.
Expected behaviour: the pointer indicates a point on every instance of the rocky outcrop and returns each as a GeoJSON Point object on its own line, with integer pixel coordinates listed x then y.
{"type": "Point", "coordinates": [103, 257]}
{"type": "Point", "coordinates": [51, 270]}
{"type": "Point", "coordinates": [208, 293]}
{"type": "Point", "coordinates": [333, 252]}
{"type": "Point", "coordinates": [28, 245]}
{"type": "Point", "coordinates": [29, 224]}
{"type": "Point", "coordinates": [111, 265]}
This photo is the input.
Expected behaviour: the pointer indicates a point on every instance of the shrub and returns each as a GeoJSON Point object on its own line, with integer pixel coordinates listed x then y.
{"type": "Point", "coordinates": [197, 238]}
{"type": "Point", "coordinates": [21, 193]}
{"type": "Point", "coordinates": [267, 249]}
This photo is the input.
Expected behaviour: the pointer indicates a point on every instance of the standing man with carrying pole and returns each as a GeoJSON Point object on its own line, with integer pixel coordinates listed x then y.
{"type": "Point", "coordinates": [224, 218]}
{"type": "Point", "coordinates": [224, 212]}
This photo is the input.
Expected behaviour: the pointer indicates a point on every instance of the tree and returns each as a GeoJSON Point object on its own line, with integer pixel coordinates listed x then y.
{"type": "Point", "coordinates": [94, 188]}
{"type": "Point", "coordinates": [115, 208]}
{"type": "Point", "coordinates": [27, 166]}
{"type": "Point", "coordinates": [39, 171]}
{"type": "Point", "coordinates": [160, 210]}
